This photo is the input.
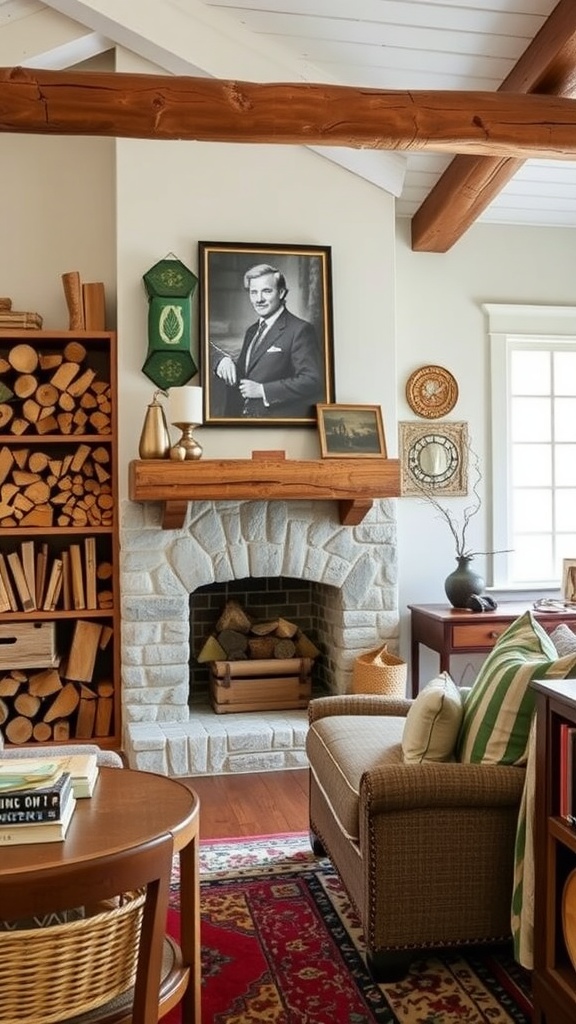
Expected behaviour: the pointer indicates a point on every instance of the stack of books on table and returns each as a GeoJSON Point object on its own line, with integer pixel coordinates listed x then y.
{"type": "Point", "coordinates": [38, 796]}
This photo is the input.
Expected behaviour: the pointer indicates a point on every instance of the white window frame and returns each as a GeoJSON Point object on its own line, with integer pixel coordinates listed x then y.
{"type": "Point", "coordinates": [508, 324]}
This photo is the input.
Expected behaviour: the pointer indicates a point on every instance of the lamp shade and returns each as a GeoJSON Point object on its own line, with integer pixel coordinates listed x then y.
{"type": "Point", "coordinates": [185, 405]}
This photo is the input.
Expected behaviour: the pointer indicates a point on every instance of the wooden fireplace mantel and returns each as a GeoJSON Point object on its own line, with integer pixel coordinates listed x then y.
{"type": "Point", "coordinates": [353, 483]}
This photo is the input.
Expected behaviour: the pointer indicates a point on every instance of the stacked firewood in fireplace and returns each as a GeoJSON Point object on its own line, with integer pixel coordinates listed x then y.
{"type": "Point", "coordinates": [239, 637]}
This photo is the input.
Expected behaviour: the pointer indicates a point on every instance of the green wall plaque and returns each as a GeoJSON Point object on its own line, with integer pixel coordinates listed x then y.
{"type": "Point", "coordinates": [170, 287]}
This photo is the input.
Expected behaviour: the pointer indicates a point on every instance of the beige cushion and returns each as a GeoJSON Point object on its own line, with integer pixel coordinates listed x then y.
{"type": "Point", "coordinates": [564, 639]}
{"type": "Point", "coordinates": [433, 722]}
{"type": "Point", "coordinates": [341, 748]}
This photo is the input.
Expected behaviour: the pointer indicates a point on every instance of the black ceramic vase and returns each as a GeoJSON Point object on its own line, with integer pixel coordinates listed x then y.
{"type": "Point", "coordinates": [463, 583]}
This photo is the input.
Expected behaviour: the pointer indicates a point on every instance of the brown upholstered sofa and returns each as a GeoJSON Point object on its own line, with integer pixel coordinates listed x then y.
{"type": "Point", "coordinates": [426, 851]}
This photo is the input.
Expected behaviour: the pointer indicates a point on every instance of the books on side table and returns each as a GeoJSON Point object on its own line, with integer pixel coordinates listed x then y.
{"type": "Point", "coordinates": [38, 796]}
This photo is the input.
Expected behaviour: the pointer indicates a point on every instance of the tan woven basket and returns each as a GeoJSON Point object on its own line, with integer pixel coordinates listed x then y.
{"type": "Point", "coordinates": [51, 974]}
{"type": "Point", "coordinates": [379, 671]}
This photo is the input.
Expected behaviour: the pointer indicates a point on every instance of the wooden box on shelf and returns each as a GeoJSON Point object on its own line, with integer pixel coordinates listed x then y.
{"type": "Point", "coordinates": [59, 536]}
{"type": "Point", "coordinates": [554, 976]}
{"type": "Point", "coordinates": [27, 645]}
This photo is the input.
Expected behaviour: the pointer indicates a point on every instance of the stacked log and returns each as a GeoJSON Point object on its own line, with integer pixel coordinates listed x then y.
{"type": "Point", "coordinates": [40, 489]}
{"type": "Point", "coordinates": [60, 702]}
{"type": "Point", "coordinates": [52, 393]}
{"type": "Point", "coordinates": [74, 577]}
{"type": "Point", "coordinates": [237, 637]}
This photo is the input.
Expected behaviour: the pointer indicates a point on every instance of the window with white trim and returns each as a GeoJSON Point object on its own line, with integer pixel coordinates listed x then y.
{"type": "Point", "coordinates": [533, 386]}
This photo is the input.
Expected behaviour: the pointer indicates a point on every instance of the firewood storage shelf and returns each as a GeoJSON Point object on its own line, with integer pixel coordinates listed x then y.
{"type": "Point", "coordinates": [353, 483]}
{"type": "Point", "coordinates": [82, 445]}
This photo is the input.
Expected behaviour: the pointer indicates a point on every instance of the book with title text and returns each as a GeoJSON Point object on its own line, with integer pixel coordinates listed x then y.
{"type": "Point", "coordinates": [38, 796]}
{"type": "Point", "coordinates": [23, 833]}
{"type": "Point", "coordinates": [34, 803]}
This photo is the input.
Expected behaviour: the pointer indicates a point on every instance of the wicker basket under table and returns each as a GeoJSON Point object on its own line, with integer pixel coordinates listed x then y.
{"type": "Point", "coordinates": [50, 974]}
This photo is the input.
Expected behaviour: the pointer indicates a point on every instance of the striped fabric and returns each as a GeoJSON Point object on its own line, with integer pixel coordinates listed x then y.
{"type": "Point", "coordinates": [499, 708]}
{"type": "Point", "coordinates": [522, 910]}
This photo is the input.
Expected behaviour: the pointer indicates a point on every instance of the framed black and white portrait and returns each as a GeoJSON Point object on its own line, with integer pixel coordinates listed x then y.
{"type": "Point", "coordinates": [266, 336]}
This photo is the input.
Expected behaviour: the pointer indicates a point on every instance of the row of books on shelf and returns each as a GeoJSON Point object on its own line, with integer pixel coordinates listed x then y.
{"type": "Point", "coordinates": [38, 796]}
{"type": "Point", "coordinates": [30, 580]}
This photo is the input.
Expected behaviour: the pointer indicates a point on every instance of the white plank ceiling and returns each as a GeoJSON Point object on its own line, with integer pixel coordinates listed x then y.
{"type": "Point", "coordinates": [387, 44]}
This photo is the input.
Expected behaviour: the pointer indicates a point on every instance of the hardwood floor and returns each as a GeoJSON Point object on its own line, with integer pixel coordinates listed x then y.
{"type": "Point", "coordinates": [252, 805]}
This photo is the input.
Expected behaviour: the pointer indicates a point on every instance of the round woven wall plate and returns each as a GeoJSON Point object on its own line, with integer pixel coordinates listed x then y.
{"type": "Point", "coordinates": [431, 391]}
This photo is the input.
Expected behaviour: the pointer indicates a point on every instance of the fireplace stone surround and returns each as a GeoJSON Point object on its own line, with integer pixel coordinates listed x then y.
{"type": "Point", "coordinates": [165, 730]}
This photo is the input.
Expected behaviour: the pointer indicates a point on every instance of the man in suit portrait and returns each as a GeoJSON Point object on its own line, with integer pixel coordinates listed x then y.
{"type": "Point", "coordinates": [278, 372]}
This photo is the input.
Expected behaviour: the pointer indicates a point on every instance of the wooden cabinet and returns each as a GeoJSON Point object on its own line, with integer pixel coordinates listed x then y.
{"type": "Point", "coordinates": [59, 593]}
{"type": "Point", "coordinates": [554, 978]}
{"type": "Point", "coordinates": [451, 631]}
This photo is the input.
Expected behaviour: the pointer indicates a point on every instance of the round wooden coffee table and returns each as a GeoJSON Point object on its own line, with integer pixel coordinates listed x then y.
{"type": "Point", "coordinates": [129, 808]}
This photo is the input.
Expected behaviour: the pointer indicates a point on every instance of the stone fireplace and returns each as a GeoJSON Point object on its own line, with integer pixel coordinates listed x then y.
{"type": "Point", "coordinates": [353, 570]}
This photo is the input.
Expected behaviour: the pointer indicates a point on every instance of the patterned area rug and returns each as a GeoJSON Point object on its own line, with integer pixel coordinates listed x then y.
{"type": "Point", "coordinates": [281, 944]}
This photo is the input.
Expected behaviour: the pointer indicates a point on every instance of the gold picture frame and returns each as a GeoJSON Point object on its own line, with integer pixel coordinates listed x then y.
{"type": "Point", "coordinates": [351, 431]}
{"type": "Point", "coordinates": [569, 580]}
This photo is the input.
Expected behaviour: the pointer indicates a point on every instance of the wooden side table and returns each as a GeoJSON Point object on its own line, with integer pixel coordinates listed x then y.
{"type": "Point", "coordinates": [129, 808]}
{"type": "Point", "coordinates": [451, 631]}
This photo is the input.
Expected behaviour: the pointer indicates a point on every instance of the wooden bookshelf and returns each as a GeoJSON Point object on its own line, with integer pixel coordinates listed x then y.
{"type": "Point", "coordinates": [554, 977]}
{"type": "Point", "coordinates": [59, 537]}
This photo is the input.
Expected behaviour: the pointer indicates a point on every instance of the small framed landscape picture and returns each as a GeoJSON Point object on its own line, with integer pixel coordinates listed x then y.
{"type": "Point", "coordinates": [351, 431]}
{"type": "Point", "coordinates": [569, 580]}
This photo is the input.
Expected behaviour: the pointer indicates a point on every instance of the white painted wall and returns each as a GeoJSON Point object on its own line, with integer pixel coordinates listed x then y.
{"type": "Point", "coordinates": [56, 215]}
{"type": "Point", "coordinates": [171, 195]}
{"type": "Point", "coordinates": [187, 192]}
{"type": "Point", "coordinates": [440, 320]}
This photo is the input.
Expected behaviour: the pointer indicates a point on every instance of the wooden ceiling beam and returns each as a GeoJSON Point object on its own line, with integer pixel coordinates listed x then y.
{"type": "Point", "coordinates": [470, 184]}
{"type": "Point", "coordinates": [212, 110]}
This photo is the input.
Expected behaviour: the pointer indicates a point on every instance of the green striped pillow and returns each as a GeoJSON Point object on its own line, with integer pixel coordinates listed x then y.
{"type": "Point", "coordinates": [499, 708]}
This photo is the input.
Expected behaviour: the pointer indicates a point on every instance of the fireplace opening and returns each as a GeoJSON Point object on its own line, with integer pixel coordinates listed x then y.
{"type": "Point", "coordinates": [263, 599]}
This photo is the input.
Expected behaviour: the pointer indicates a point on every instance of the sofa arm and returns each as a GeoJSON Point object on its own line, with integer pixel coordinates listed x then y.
{"type": "Point", "coordinates": [358, 704]}
{"type": "Point", "coordinates": [400, 787]}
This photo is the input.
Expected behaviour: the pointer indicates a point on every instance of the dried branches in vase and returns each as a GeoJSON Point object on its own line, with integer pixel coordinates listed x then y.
{"type": "Point", "coordinates": [463, 583]}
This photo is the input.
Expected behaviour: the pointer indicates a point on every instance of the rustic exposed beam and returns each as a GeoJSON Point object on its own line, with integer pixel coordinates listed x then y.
{"type": "Point", "coordinates": [469, 184]}
{"type": "Point", "coordinates": [211, 110]}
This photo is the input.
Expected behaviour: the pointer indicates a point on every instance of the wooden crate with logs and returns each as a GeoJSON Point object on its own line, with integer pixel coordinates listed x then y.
{"type": "Point", "coordinates": [258, 665]}
{"type": "Point", "coordinates": [261, 684]}
{"type": "Point", "coordinates": [59, 534]}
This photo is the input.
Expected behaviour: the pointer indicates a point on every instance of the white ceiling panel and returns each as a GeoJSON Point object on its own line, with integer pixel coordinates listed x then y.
{"type": "Point", "coordinates": [387, 44]}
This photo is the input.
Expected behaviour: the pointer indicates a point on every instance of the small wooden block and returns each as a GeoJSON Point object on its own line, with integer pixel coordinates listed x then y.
{"type": "Point", "coordinates": [274, 455]}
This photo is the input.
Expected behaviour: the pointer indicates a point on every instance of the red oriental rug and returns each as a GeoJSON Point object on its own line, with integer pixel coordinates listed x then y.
{"type": "Point", "coordinates": [281, 944]}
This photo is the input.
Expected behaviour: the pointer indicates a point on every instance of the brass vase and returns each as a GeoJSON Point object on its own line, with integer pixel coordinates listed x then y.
{"type": "Point", "coordinates": [154, 439]}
